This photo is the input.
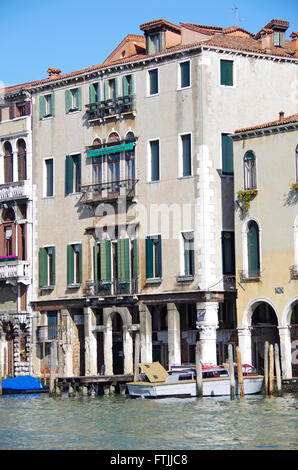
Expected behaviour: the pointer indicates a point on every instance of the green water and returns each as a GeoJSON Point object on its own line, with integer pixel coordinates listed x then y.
{"type": "Point", "coordinates": [120, 423]}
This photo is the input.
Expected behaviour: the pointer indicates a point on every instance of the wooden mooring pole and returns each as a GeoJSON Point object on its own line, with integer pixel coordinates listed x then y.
{"type": "Point", "coordinates": [199, 372]}
{"type": "Point", "coordinates": [137, 358]}
{"type": "Point", "coordinates": [239, 371]}
{"type": "Point", "coordinates": [231, 372]}
{"type": "Point", "coordinates": [266, 366]}
{"type": "Point", "coordinates": [277, 370]}
{"type": "Point", "coordinates": [271, 370]}
{"type": "Point", "coordinates": [53, 367]}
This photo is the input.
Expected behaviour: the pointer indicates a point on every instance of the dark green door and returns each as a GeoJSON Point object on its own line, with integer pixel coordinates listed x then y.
{"type": "Point", "coordinates": [253, 250]}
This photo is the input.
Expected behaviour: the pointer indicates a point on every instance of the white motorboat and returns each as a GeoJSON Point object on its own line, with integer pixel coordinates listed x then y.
{"type": "Point", "coordinates": [156, 382]}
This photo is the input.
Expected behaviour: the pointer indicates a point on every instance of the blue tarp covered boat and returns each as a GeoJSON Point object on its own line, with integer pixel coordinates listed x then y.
{"type": "Point", "coordinates": [22, 384]}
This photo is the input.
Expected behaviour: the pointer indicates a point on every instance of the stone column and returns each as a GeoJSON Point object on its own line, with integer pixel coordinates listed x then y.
{"type": "Point", "coordinates": [145, 333]}
{"type": "Point", "coordinates": [244, 338]}
{"type": "Point", "coordinates": [127, 351]}
{"type": "Point", "coordinates": [207, 323]}
{"type": "Point", "coordinates": [108, 347]}
{"type": "Point", "coordinates": [90, 342]}
{"type": "Point", "coordinates": [66, 343]}
{"type": "Point", "coordinates": [285, 351]}
{"type": "Point", "coordinates": [174, 335]}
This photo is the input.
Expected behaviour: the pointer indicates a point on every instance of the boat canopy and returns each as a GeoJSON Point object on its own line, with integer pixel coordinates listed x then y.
{"type": "Point", "coordinates": [154, 371]}
{"type": "Point", "coordinates": [24, 382]}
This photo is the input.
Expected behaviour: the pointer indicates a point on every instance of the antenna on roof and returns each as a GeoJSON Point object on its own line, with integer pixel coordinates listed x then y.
{"type": "Point", "coordinates": [235, 9]}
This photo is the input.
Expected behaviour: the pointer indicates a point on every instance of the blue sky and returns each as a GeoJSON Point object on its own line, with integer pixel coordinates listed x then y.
{"type": "Point", "coordinates": [74, 34]}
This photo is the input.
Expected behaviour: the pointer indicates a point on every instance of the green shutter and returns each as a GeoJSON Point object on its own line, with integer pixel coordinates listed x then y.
{"type": "Point", "coordinates": [79, 99]}
{"type": "Point", "coordinates": [52, 104]}
{"type": "Point", "coordinates": [125, 85]}
{"type": "Point", "coordinates": [42, 107]}
{"type": "Point", "coordinates": [94, 94]}
{"type": "Point", "coordinates": [70, 265]}
{"type": "Point", "coordinates": [149, 258]}
{"type": "Point", "coordinates": [105, 260]}
{"type": "Point", "coordinates": [226, 72]}
{"type": "Point", "coordinates": [80, 264]}
{"type": "Point", "coordinates": [68, 174]}
{"type": "Point", "coordinates": [227, 155]}
{"type": "Point", "coordinates": [77, 160]}
{"type": "Point", "coordinates": [135, 258]}
{"type": "Point", "coordinates": [53, 266]}
{"type": "Point", "coordinates": [67, 100]}
{"type": "Point", "coordinates": [159, 259]}
{"type": "Point", "coordinates": [154, 160]}
{"type": "Point", "coordinates": [43, 278]}
{"type": "Point", "coordinates": [95, 263]}
{"type": "Point", "coordinates": [253, 250]}
{"type": "Point", "coordinates": [186, 154]}
{"type": "Point", "coordinates": [123, 259]}
{"type": "Point", "coordinates": [106, 89]}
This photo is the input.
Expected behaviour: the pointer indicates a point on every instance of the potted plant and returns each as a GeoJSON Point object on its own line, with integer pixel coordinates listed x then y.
{"type": "Point", "coordinates": [247, 195]}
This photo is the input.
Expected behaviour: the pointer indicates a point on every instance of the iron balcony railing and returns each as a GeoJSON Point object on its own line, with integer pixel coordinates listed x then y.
{"type": "Point", "coordinates": [93, 193]}
{"type": "Point", "coordinates": [110, 107]}
{"type": "Point", "coordinates": [114, 287]}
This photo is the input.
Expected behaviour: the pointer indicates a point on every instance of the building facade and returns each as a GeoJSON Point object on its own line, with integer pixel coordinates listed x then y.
{"type": "Point", "coordinates": [266, 165]}
{"type": "Point", "coordinates": [134, 194]}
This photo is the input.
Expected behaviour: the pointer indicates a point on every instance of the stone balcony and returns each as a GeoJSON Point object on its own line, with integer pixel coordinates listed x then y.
{"type": "Point", "coordinates": [14, 190]}
{"type": "Point", "coordinates": [13, 269]}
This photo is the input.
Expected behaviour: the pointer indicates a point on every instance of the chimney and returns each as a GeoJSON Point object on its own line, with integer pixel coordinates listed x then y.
{"type": "Point", "coordinates": [281, 116]}
{"type": "Point", "coordinates": [53, 73]}
{"type": "Point", "coordinates": [294, 43]}
{"type": "Point", "coordinates": [267, 40]}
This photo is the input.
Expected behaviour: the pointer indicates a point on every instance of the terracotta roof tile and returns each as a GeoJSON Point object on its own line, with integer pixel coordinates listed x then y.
{"type": "Point", "coordinates": [278, 122]}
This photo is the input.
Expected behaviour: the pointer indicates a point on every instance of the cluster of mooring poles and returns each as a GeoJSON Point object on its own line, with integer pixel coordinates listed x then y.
{"type": "Point", "coordinates": [271, 360]}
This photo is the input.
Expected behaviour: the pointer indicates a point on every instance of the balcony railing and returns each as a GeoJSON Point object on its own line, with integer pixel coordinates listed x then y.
{"type": "Point", "coordinates": [14, 269]}
{"type": "Point", "coordinates": [47, 333]}
{"type": "Point", "coordinates": [93, 193]}
{"type": "Point", "coordinates": [114, 287]}
{"type": "Point", "coordinates": [111, 107]}
{"type": "Point", "coordinates": [14, 190]}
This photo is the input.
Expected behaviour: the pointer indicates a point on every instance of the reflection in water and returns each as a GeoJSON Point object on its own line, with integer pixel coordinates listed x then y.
{"type": "Point", "coordinates": [118, 422]}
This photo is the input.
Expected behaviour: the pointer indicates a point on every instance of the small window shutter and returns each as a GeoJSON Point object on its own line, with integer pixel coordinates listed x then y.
{"type": "Point", "coordinates": [68, 175]}
{"type": "Point", "coordinates": [106, 89]}
{"type": "Point", "coordinates": [95, 263]}
{"type": "Point", "coordinates": [154, 160]}
{"type": "Point", "coordinates": [53, 266]}
{"type": "Point", "coordinates": [43, 278]}
{"type": "Point", "coordinates": [80, 264]}
{"type": "Point", "coordinates": [0, 114]}
{"type": "Point", "coordinates": [78, 160]}
{"type": "Point", "coordinates": [226, 72]}
{"type": "Point", "coordinates": [70, 264]}
{"type": "Point", "coordinates": [135, 258]}
{"type": "Point", "coordinates": [253, 249]}
{"type": "Point", "coordinates": [149, 258]}
{"type": "Point", "coordinates": [116, 88]}
{"type": "Point", "coordinates": [159, 258]}
{"type": "Point", "coordinates": [227, 154]}
{"type": "Point", "coordinates": [12, 111]}
{"type": "Point", "coordinates": [67, 100]}
{"type": "Point", "coordinates": [186, 152]}
{"type": "Point", "coordinates": [27, 108]}
{"type": "Point", "coordinates": [92, 92]}
{"type": "Point", "coordinates": [105, 260]}
{"type": "Point", "coordinates": [42, 107]}
{"type": "Point", "coordinates": [125, 85]}
{"type": "Point", "coordinates": [52, 104]}
{"type": "Point", "coordinates": [79, 99]}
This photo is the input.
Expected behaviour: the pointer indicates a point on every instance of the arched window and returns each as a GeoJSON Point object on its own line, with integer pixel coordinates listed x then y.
{"type": "Point", "coordinates": [22, 169]}
{"type": "Point", "coordinates": [249, 164]}
{"type": "Point", "coordinates": [7, 236]}
{"type": "Point", "coordinates": [8, 163]}
{"type": "Point", "coordinates": [253, 249]}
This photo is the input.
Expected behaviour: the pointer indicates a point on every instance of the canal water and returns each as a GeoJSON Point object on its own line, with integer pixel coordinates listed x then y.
{"type": "Point", "coordinates": [38, 422]}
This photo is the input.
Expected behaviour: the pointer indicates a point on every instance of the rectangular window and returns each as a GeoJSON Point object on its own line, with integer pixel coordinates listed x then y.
{"type": "Point", "coordinates": [74, 264]}
{"type": "Point", "coordinates": [154, 43]}
{"type": "Point", "coordinates": [184, 74]}
{"type": "Point", "coordinates": [226, 72]}
{"type": "Point", "coordinates": [227, 155]}
{"type": "Point", "coordinates": [8, 243]}
{"type": "Point", "coordinates": [153, 81]}
{"type": "Point", "coordinates": [94, 92]}
{"type": "Point", "coordinates": [228, 253]}
{"type": "Point", "coordinates": [73, 100]}
{"type": "Point", "coordinates": [49, 177]}
{"type": "Point", "coordinates": [278, 39]}
{"type": "Point", "coordinates": [154, 160]}
{"type": "Point", "coordinates": [47, 106]}
{"type": "Point", "coordinates": [153, 257]}
{"type": "Point", "coordinates": [188, 251]}
{"type": "Point", "coordinates": [72, 174]}
{"type": "Point", "coordinates": [97, 170]}
{"type": "Point", "coordinates": [47, 266]}
{"type": "Point", "coordinates": [186, 154]}
{"type": "Point", "coordinates": [127, 85]}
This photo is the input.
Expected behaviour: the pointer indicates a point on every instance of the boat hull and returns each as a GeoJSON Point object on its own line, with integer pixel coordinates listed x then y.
{"type": "Point", "coordinates": [211, 388]}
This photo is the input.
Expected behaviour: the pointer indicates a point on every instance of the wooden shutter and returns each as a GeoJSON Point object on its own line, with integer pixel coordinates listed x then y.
{"type": "Point", "coordinates": [43, 261]}
{"type": "Point", "coordinates": [106, 89]}
{"type": "Point", "coordinates": [149, 257]}
{"type": "Point", "coordinates": [68, 175]}
{"type": "Point", "coordinates": [186, 154]}
{"type": "Point", "coordinates": [27, 108]}
{"type": "Point", "coordinates": [53, 266]}
{"type": "Point", "coordinates": [105, 260]}
{"type": "Point", "coordinates": [52, 104]}
{"type": "Point", "coordinates": [123, 259]}
{"type": "Point", "coordinates": [154, 160]}
{"type": "Point", "coordinates": [227, 154]}
{"type": "Point", "coordinates": [79, 99]}
{"type": "Point", "coordinates": [68, 101]}
{"type": "Point", "coordinates": [70, 265]}
{"type": "Point", "coordinates": [42, 107]}
{"type": "Point", "coordinates": [80, 264]}
{"type": "Point", "coordinates": [159, 258]}
{"type": "Point", "coordinates": [135, 258]}
{"type": "Point", "coordinates": [8, 168]}
{"type": "Point", "coordinates": [253, 250]}
{"type": "Point", "coordinates": [12, 111]}
{"type": "Point", "coordinates": [95, 263]}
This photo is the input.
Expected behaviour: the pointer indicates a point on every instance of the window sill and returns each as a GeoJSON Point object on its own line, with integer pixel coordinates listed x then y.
{"type": "Point", "coordinates": [153, 280]}
{"type": "Point", "coordinates": [153, 94]}
{"type": "Point", "coordinates": [45, 288]}
{"type": "Point", "coordinates": [185, 278]}
{"type": "Point", "coordinates": [48, 116]}
{"type": "Point", "coordinates": [187, 177]}
{"type": "Point", "coordinates": [73, 286]}
{"type": "Point", "coordinates": [73, 111]}
{"type": "Point", "coordinates": [183, 88]}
